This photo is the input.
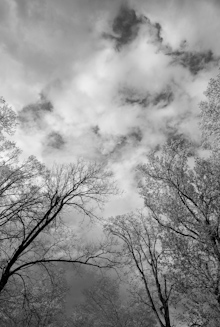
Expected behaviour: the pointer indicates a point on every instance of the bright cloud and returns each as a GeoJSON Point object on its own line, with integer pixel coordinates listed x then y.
{"type": "Point", "coordinates": [118, 80]}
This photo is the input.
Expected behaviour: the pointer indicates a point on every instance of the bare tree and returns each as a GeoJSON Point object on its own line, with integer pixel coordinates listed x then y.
{"type": "Point", "coordinates": [142, 252]}
{"type": "Point", "coordinates": [40, 302]}
{"type": "Point", "coordinates": [33, 203]}
{"type": "Point", "coordinates": [181, 193]}
{"type": "Point", "coordinates": [103, 306]}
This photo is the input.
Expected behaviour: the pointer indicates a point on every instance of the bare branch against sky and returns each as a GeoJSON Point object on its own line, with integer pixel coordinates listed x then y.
{"type": "Point", "coordinates": [108, 81]}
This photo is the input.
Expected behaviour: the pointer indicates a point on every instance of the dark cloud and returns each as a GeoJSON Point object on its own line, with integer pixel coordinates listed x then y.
{"type": "Point", "coordinates": [158, 32]}
{"type": "Point", "coordinates": [136, 134]}
{"type": "Point", "coordinates": [124, 143]}
{"type": "Point", "coordinates": [125, 27]}
{"type": "Point", "coordinates": [116, 146]}
{"type": "Point", "coordinates": [154, 29]}
{"type": "Point", "coordinates": [142, 101]}
{"type": "Point", "coordinates": [194, 61]}
{"type": "Point", "coordinates": [96, 130]}
{"type": "Point", "coordinates": [131, 96]}
{"type": "Point", "coordinates": [55, 140]}
{"type": "Point", "coordinates": [164, 98]}
{"type": "Point", "coordinates": [33, 114]}
{"type": "Point", "coordinates": [161, 99]}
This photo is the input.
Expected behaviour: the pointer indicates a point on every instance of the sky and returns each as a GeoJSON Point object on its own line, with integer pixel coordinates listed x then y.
{"type": "Point", "coordinates": [106, 79]}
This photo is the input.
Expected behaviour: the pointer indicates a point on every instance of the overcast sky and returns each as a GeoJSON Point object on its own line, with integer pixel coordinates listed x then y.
{"type": "Point", "coordinates": [106, 79]}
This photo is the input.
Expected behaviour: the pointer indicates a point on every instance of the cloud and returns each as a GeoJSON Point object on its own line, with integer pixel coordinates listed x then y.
{"type": "Point", "coordinates": [40, 42]}
{"type": "Point", "coordinates": [111, 93]}
{"type": "Point", "coordinates": [106, 79]}
{"type": "Point", "coordinates": [54, 141]}
{"type": "Point", "coordinates": [118, 78]}
{"type": "Point", "coordinates": [194, 61]}
{"type": "Point", "coordinates": [125, 27]}
{"type": "Point", "coordinates": [32, 116]}
{"type": "Point", "coordinates": [160, 99]}
{"type": "Point", "coordinates": [195, 21]}
{"type": "Point", "coordinates": [164, 98]}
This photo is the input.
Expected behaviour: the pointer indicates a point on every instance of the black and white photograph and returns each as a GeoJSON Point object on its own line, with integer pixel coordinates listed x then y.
{"type": "Point", "coordinates": [109, 163]}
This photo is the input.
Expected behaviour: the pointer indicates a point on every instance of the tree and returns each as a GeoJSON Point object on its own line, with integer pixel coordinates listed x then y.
{"type": "Point", "coordinates": [40, 302]}
{"type": "Point", "coordinates": [8, 118]}
{"type": "Point", "coordinates": [210, 116]}
{"type": "Point", "coordinates": [143, 252]}
{"type": "Point", "coordinates": [181, 192]}
{"type": "Point", "coordinates": [103, 306]}
{"type": "Point", "coordinates": [8, 122]}
{"type": "Point", "coordinates": [33, 202]}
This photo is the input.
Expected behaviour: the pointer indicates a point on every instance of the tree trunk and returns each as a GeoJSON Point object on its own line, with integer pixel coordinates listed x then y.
{"type": "Point", "coordinates": [167, 316]}
{"type": "Point", "coordinates": [3, 281]}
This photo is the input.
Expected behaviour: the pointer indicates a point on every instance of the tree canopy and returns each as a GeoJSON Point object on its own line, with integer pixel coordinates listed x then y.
{"type": "Point", "coordinates": [169, 251]}
{"type": "Point", "coordinates": [173, 245]}
{"type": "Point", "coordinates": [34, 201]}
